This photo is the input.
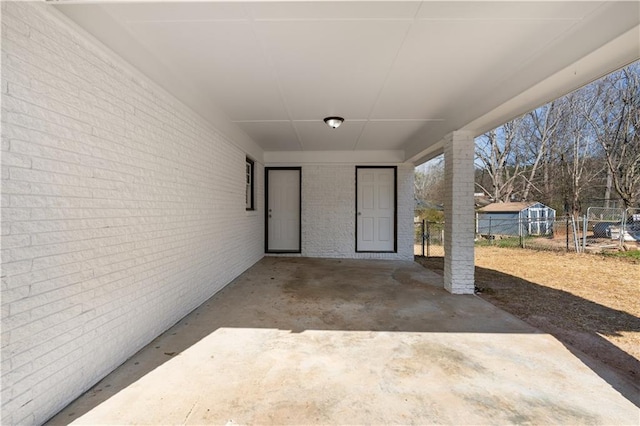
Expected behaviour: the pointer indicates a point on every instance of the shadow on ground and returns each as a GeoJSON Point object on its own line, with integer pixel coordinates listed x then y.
{"type": "Point", "coordinates": [299, 294]}
{"type": "Point", "coordinates": [576, 322]}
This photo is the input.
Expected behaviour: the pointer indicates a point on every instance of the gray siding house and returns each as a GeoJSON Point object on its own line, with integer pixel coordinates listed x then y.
{"type": "Point", "coordinates": [522, 218]}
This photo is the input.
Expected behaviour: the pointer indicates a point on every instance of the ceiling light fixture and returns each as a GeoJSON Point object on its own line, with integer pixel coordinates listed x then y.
{"type": "Point", "coordinates": [334, 122]}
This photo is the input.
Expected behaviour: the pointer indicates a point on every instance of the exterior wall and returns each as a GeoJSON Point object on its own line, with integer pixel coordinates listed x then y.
{"type": "Point", "coordinates": [328, 212]}
{"type": "Point", "coordinates": [122, 212]}
{"type": "Point", "coordinates": [498, 224]}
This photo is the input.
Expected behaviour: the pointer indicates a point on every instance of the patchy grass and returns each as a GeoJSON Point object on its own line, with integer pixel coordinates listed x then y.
{"type": "Point", "coordinates": [591, 303]}
{"type": "Point", "coordinates": [632, 255]}
{"type": "Point", "coordinates": [500, 242]}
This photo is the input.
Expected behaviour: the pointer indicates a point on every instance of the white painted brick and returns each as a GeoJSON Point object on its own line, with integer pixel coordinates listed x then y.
{"type": "Point", "coordinates": [12, 295]}
{"type": "Point", "coordinates": [15, 413]}
{"type": "Point", "coordinates": [43, 151]}
{"type": "Point", "coordinates": [57, 89]}
{"type": "Point", "coordinates": [61, 259]}
{"type": "Point", "coordinates": [31, 96]}
{"type": "Point", "coordinates": [35, 277]}
{"type": "Point", "coordinates": [34, 123]}
{"type": "Point", "coordinates": [5, 228]}
{"type": "Point", "coordinates": [459, 213]}
{"type": "Point", "coordinates": [20, 372]}
{"type": "Point", "coordinates": [17, 26]}
{"type": "Point", "coordinates": [72, 122]}
{"type": "Point", "coordinates": [10, 159]}
{"type": "Point", "coordinates": [59, 190]}
{"type": "Point", "coordinates": [328, 213]}
{"type": "Point", "coordinates": [60, 167]}
{"type": "Point", "coordinates": [38, 176]}
{"type": "Point", "coordinates": [10, 215]}
{"type": "Point", "coordinates": [58, 282]}
{"type": "Point", "coordinates": [113, 176]}
{"type": "Point", "coordinates": [13, 241]}
{"type": "Point", "coordinates": [47, 322]}
{"type": "Point", "coordinates": [118, 201]}
{"type": "Point", "coordinates": [42, 299]}
{"type": "Point", "coordinates": [15, 187]}
{"type": "Point", "coordinates": [44, 139]}
{"type": "Point", "coordinates": [14, 268]}
{"type": "Point", "coordinates": [14, 70]}
{"type": "Point", "coordinates": [31, 347]}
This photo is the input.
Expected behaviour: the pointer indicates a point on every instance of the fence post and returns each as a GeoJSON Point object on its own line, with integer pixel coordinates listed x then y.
{"type": "Point", "coordinates": [585, 224]}
{"type": "Point", "coordinates": [621, 241]}
{"type": "Point", "coordinates": [567, 231]}
{"type": "Point", "coordinates": [490, 240]}
{"type": "Point", "coordinates": [575, 234]}
{"type": "Point", "coordinates": [622, 229]}
{"type": "Point", "coordinates": [428, 237]}
{"type": "Point", "coordinates": [423, 236]}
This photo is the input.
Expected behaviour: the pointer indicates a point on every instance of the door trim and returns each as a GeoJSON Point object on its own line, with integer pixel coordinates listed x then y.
{"type": "Point", "coordinates": [395, 209]}
{"type": "Point", "coordinates": [266, 210]}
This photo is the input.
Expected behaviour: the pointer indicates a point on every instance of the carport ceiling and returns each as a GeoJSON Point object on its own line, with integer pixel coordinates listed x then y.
{"type": "Point", "coordinates": [400, 73]}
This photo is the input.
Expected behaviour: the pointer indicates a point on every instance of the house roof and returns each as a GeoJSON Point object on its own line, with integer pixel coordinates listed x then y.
{"type": "Point", "coordinates": [506, 207]}
{"type": "Point", "coordinates": [402, 74]}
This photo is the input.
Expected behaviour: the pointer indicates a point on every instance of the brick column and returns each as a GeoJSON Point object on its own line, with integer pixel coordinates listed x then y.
{"type": "Point", "coordinates": [459, 231]}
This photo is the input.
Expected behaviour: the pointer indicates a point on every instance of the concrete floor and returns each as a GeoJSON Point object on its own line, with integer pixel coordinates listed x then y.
{"type": "Point", "coordinates": [311, 341]}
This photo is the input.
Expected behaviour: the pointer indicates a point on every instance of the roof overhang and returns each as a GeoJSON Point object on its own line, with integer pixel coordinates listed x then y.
{"type": "Point", "coordinates": [404, 74]}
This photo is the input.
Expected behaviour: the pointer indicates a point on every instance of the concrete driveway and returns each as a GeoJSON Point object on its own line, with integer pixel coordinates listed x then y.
{"type": "Point", "coordinates": [317, 341]}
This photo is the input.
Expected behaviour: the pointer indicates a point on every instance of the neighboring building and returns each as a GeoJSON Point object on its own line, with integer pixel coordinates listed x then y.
{"type": "Point", "coordinates": [515, 219]}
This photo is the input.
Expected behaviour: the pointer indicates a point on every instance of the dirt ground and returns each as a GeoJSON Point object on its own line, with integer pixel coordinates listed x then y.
{"type": "Point", "coordinates": [589, 302]}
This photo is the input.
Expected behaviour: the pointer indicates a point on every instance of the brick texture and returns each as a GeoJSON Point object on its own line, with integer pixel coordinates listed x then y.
{"type": "Point", "coordinates": [122, 211]}
{"type": "Point", "coordinates": [459, 213]}
{"type": "Point", "coordinates": [328, 213]}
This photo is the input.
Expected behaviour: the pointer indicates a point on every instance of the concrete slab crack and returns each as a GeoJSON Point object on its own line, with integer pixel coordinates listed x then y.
{"type": "Point", "coordinates": [184, 422]}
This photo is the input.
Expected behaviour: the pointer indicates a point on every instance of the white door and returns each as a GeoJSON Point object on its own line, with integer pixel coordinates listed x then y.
{"type": "Point", "coordinates": [375, 209]}
{"type": "Point", "coordinates": [283, 210]}
{"type": "Point", "coordinates": [535, 217]}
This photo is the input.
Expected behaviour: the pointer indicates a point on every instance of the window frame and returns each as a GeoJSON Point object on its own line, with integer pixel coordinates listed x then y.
{"type": "Point", "coordinates": [249, 196]}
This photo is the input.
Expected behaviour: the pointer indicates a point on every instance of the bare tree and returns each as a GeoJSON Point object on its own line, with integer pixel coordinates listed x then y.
{"type": "Point", "coordinates": [582, 147]}
{"type": "Point", "coordinates": [429, 182]}
{"type": "Point", "coordinates": [578, 146]}
{"type": "Point", "coordinates": [578, 175]}
{"type": "Point", "coordinates": [498, 152]}
{"type": "Point", "coordinates": [615, 123]}
{"type": "Point", "coordinates": [542, 126]}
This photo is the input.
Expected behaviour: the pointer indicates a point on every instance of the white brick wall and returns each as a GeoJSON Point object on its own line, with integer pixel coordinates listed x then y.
{"type": "Point", "coordinates": [459, 216]}
{"type": "Point", "coordinates": [328, 212]}
{"type": "Point", "coordinates": [122, 211]}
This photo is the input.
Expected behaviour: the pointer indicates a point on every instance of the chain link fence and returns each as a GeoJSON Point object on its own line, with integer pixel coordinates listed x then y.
{"type": "Point", "coordinates": [631, 226]}
{"type": "Point", "coordinates": [604, 228]}
{"type": "Point", "coordinates": [600, 229]}
{"type": "Point", "coordinates": [429, 239]}
{"type": "Point", "coordinates": [557, 233]}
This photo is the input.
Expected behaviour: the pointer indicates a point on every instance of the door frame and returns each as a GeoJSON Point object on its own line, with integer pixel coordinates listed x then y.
{"type": "Point", "coordinates": [395, 209]}
{"type": "Point", "coordinates": [266, 210]}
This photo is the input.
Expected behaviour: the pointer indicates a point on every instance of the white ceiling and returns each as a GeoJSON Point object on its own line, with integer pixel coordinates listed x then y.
{"type": "Point", "coordinates": [402, 74]}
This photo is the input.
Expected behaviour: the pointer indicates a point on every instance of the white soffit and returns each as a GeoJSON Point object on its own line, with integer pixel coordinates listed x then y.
{"type": "Point", "coordinates": [273, 135]}
{"type": "Point", "coordinates": [317, 136]}
{"type": "Point", "coordinates": [378, 134]}
{"type": "Point", "coordinates": [402, 74]}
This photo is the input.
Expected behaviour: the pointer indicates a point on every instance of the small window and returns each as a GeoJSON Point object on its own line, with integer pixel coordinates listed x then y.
{"type": "Point", "coordinates": [249, 184]}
